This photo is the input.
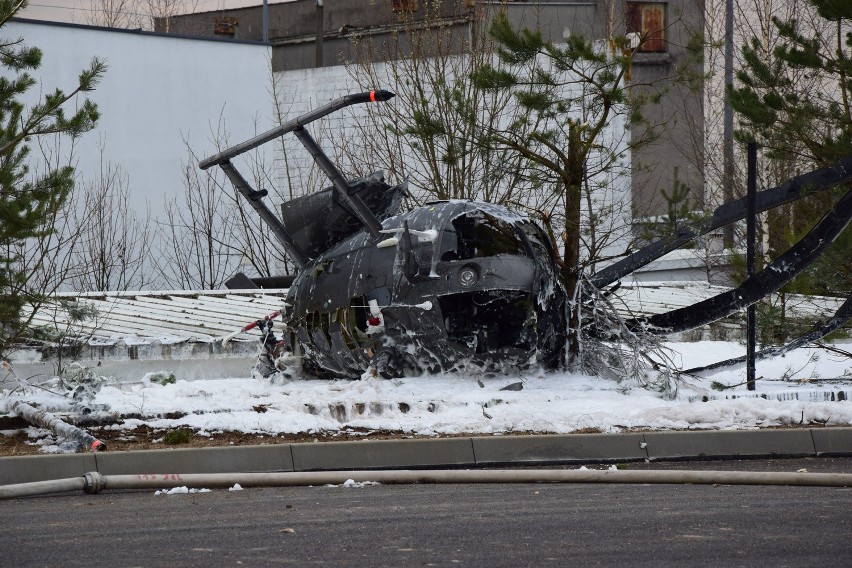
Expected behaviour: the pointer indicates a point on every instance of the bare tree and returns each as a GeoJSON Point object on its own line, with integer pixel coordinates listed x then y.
{"type": "Point", "coordinates": [47, 260]}
{"type": "Point", "coordinates": [156, 15]}
{"type": "Point", "coordinates": [208, 234]}
{"type": "Point", "coordinates": [262, 253]}
{"type": "Point", "coordinates": [115, 13]}
{"type": "Point", "coordinates": [161, 12]}
{"type": "Point", "coordinates": [115, 248]}
{"type": "Point", "coordinates": [195, 252]}
{"type": "Point", "coordinates": [432, 133]}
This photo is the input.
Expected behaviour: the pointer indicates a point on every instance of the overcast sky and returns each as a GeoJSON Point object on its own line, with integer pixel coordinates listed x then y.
{"type": "Point", "coordinates": [79, 11]}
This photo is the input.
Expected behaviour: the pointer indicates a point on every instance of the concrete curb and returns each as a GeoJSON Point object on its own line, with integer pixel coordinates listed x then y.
{"type": "Point", "coordinates": [441, 452]}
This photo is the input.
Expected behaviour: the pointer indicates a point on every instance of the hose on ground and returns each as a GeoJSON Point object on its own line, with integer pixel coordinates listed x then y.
{"type": "Point", "coordinates": [57, 426]}
{"type": "Point", "coordinates": [94, 482]}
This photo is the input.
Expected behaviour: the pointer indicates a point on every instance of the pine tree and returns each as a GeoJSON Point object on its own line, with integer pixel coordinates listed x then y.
{"type": "Point", "coordinates": [570, 94]}
{"type": "Point", "coordinates": [27, 198]}
{"type": "Point", "coordinates": [796, 102]}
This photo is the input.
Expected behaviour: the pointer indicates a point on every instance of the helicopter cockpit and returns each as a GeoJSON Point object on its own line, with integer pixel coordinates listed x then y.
{"type": "Point", "coordinates": [454, 281]}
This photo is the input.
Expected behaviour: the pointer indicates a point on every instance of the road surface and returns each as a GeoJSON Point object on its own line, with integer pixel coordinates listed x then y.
{"type": "Point", "coordinates": [444, 525]}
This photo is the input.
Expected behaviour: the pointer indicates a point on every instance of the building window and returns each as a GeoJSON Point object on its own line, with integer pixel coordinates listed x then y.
{"type": "Point", "coordinates": [225, 25]}
{"type": "Point", "coordinates": [648, 19]}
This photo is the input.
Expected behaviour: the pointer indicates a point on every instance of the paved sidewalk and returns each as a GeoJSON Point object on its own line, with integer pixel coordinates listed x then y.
{"type": "Point", "coordinates": [467, 452]}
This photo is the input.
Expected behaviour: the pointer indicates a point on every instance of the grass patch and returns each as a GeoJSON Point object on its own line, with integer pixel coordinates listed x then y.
{"type": "Point", "coordinates": [177, 436]}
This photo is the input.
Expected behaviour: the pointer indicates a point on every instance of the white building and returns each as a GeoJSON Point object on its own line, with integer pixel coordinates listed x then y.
{"type": "Point", "coordinates": [160, 95]}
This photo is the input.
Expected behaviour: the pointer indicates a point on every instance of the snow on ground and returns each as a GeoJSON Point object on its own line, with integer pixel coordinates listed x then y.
{"type": "Point", "coordinates": [802, 388]}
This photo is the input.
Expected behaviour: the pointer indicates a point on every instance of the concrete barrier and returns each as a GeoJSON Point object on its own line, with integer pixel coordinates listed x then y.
{"type": "Point", "coordinates": [832, 441]}
{"type": "Point", "coordinates": [559, 449]}
{"type": "Point", "coordinates": [434, 453]}
{"type": "Point", "coordinates": [25, 469]}
{"type": "Point", "coordinates": [730, 444]}
{"type": "Point", "coordinates": [383, 454]}
{"type": "Point", "coordinates": [243, 459]}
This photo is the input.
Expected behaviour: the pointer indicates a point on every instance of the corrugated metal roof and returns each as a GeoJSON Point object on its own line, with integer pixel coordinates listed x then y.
{"type": "Point", "coordinates": [168, 316]}
{"type": "Point", "coordinates": [208, 315]}
{"type": "Point", "coordinates": [656, 298]}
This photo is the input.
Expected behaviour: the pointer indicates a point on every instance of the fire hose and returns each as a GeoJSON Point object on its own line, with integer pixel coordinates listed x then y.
{"type": "Point", "coordinates": [94, 482]}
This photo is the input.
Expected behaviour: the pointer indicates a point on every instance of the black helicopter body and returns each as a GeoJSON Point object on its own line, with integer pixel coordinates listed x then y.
{"type": "Point", "coordinates": [448, 286]}
{"type": "Point", "coordinates": [456, 285]}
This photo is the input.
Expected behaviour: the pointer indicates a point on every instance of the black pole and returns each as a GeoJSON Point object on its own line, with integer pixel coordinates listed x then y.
{"type": "Point", "coordinates": [265, 24]}
{"type": "Point", "coordinates": [319, 36]}
{"type": "Point", "coordinates": [751, 222]}
{"type": "Point", "coordinates": [728, 121]}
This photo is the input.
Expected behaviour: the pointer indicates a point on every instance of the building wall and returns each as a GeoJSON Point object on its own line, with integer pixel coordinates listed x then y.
{"type": "Point", "coordinates": [164, 95]}
{"type": "Point", "coordinates": [297, 18]}
{"type": "Point", "coordinates": [159, 95]}
{"type": "Point", "coordinates": [676, 156]}
{"type": "Point", "coordinates": [678, 119]}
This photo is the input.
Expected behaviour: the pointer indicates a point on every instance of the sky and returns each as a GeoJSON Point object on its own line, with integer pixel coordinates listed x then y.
{"type": "Point", "coordinates": [797, 389]}
{"type": "Point", "coordinates": [80, 11]}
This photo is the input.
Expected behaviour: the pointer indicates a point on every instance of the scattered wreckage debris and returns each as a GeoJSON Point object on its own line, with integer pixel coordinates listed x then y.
{"type": "Point", "coordinates": [800, 186]}
{"type": "Point", "coordinates": [460, 285]}
{"type": "Point", "coordinates": [776, 274]}
{"type": "Point", "coordinates": [765, 282]}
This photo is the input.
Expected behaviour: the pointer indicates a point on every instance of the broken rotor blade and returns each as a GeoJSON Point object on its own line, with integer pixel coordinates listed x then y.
{"type": "Point", "coordinates": [817, 180]}
{"type": "Point", "coordinates": [776, 274]}
{"type": "Point", "coordinates": [298, 122]}
{"type": "Point", "coordinates": [820, 330]}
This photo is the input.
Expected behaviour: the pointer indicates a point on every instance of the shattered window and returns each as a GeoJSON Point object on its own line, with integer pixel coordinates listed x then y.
{"type": "Point", "coordinates": [479, 235]}
{"type": "Point", "coordinates": [358, 314]}
{"type": "Point", "coordinates": [538, 239]}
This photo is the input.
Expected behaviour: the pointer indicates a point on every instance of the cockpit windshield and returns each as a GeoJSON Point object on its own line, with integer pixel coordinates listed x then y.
{"type": "Point", "coordinates": [477, 234]}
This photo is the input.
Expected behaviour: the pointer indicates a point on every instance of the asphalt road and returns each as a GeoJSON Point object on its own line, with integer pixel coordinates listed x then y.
{"type": "Point", "coordinates": [445, 525]}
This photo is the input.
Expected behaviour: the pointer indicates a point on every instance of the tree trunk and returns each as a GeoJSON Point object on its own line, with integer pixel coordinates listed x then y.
{"type": "Point", "coordinates": [573, 176]}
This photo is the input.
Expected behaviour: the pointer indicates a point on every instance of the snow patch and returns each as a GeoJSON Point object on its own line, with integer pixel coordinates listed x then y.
{"type": "Point", "coordinates": [351, 483]}
{"type": "Point", "coordinates": [183, 490]}
{"type": "Point", "coordinates": [807, 386]}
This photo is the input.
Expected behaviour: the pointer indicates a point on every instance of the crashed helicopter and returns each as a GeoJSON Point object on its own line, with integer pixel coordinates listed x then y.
{"type": "Point", "coordinates": [450, 285]}
{"type": "Point", "coordinates": [461, 285]}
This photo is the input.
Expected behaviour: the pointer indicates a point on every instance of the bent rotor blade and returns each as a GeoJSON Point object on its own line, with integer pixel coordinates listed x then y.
{"type": "Point", "coordinates": [295, 123]}
{"type": "Point", "coordinates": [776, 274]}
{"type": "Point", "coordinates": [817, 180]}
{"type": "Point", "coordinates": [820, 330]}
